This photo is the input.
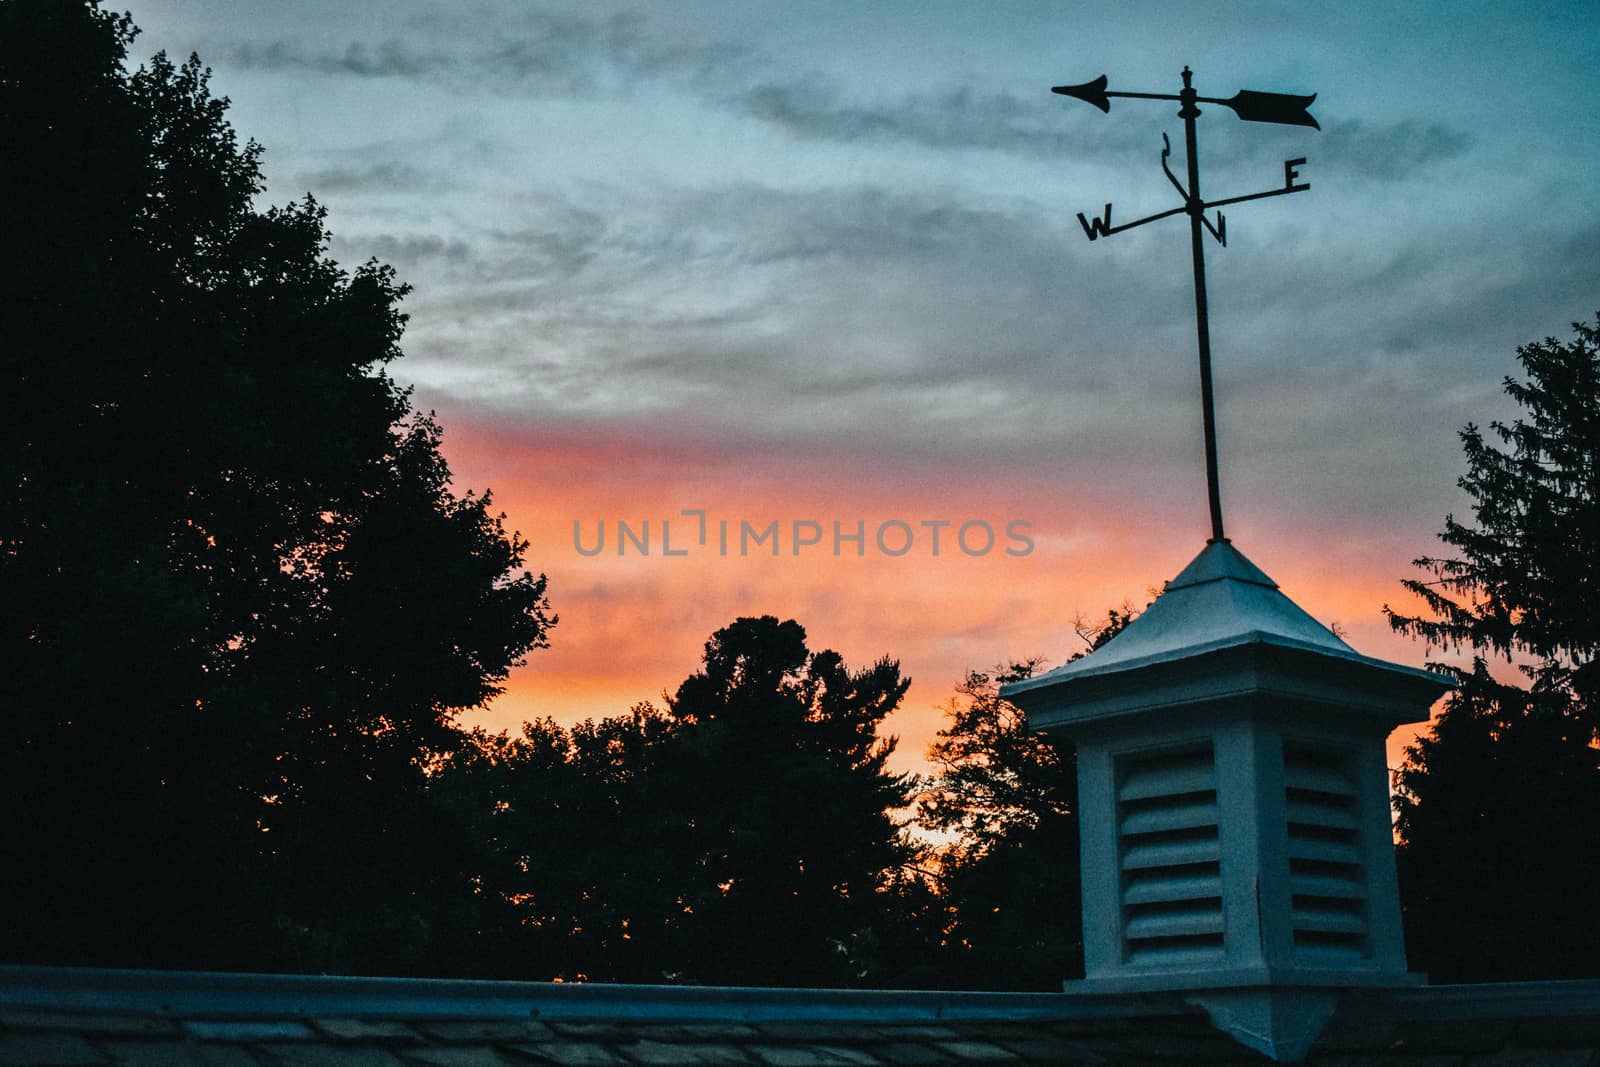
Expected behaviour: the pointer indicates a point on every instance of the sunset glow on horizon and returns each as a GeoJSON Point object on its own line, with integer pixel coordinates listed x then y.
{"type": "Point", "coordinates": [634, 624]}
{"type": "Point", "coordinates": [820, 263]}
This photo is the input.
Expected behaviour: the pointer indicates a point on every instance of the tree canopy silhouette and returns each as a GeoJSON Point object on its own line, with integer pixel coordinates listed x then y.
{"type": "Point", "coordinates": [582, 871]}
{"type": "Point", "coordinates": [1006, 798]}
{"type": "Point", "coordinates": [242, 603]}
{"type": "Point", "coordinates": [788, 806]}
{"type": "Point", "coordinates": [1499, 803]}
{"type": "Point", "coordinates": [743, 835]}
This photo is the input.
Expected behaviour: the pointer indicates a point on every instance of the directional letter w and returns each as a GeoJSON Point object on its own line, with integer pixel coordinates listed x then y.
{"type": "Point", "coordinates": [1096, 227]}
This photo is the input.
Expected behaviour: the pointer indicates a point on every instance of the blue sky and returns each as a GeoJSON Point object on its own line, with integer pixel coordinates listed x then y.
{"type": "Point", "coordinates": [835, 245]}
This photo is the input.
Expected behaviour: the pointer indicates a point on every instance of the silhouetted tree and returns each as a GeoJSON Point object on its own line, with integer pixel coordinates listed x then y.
{"type": "Point", "coordinates": [787, 805]}
{"type": "Point", "coordinates": [1499, 803]}
{"type": "Point", "coordinates": [1007, 796]}
{"type": "Point", "coordinates": [744, 835]}
{"type": "Point", "coordinates": [241, 603]}
{"type": "Point", "coordinates": [583, 869]}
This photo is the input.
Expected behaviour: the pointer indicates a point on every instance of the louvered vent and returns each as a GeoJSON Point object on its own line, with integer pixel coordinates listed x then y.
{"type": "Point", "coordinates": [1327, 881]}
{"type": "Point", "coordinates": [1169, 853]}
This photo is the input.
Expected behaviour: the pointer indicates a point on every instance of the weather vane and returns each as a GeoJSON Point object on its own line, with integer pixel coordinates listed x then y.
{"type": "Point", "coordinates": [1252, 107]}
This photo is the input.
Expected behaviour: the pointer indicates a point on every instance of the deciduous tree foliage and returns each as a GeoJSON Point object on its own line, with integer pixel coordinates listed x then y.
{"type": "Point", "coordinates": [744, 835]}
{"type": "Point", "coordinates": [788, 803]}
{"type": "Point", "coordinates": [1499, 803]}
{"type": "Point", "coordinates": [1006, 796]}
{"type": "Point", "coordinates": [242, 604]}
{"type": "Point", "coordinates": [582, 871]}
{"type": "Point", "coordinates": [999, 778]}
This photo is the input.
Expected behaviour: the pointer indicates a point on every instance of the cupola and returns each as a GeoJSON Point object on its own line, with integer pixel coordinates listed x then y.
{"type": "Point", "coordinates": [1233, 797]}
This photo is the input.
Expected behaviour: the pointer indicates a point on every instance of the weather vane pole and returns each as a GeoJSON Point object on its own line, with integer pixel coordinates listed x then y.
{"type": "Point", "coordinates": [1252, 107]}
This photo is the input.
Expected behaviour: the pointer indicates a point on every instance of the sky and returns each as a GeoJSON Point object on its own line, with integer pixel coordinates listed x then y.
{"type": "Point", "coordinates": [742, 262]}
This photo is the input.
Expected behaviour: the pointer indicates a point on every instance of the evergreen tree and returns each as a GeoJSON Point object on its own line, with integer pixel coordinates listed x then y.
{"type": "Point", "coordinates": [1499, 803]}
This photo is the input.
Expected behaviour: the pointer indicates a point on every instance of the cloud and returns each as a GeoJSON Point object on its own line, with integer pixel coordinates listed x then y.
{"type": "Point", "coordinates": [413, 250]}
{"type": "Point", "coordinates": [1391, 151]}
{"type": "Point", "coordinates": [891, 319]}
{"type": "Point", "coordinates": [961, 117]}
{"type": "Point", "coordinates": [953, 117]}
{"type": "Point", "coordinates": [385, 176]}
{"type": "Point", "coordinates": [389, 58]}
{"type": "Point", "coordinates": [548, 55]}
{"type": "Point", "coordinates": [530, 53]}
{"type": "Point", "coordinates": [575, 56]}
{"type": "Point", "coordinates": [930, 316]}
{"type": "Point", "coordinates": [1474, 316]}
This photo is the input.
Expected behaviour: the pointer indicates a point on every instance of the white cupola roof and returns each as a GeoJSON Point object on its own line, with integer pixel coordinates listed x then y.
{"type": "Point", "coordinates": [1220, 599]}
{"type": "Point", "coordinates": [1220, 612]}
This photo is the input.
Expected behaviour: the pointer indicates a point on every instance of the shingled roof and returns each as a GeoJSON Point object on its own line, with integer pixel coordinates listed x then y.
{"type": "Point", "coordinates": [65, 1016]}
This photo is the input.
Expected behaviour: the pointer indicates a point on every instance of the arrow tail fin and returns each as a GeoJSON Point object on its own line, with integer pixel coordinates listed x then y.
{"type": "Point", "coordinates": [1284, 108]}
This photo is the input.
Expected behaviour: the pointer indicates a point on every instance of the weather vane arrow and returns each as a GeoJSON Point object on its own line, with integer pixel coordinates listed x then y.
{"type": "Point", "coordinates": [1284, 108]}
{"type": "Point", "coordinates": [1251, 106]}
